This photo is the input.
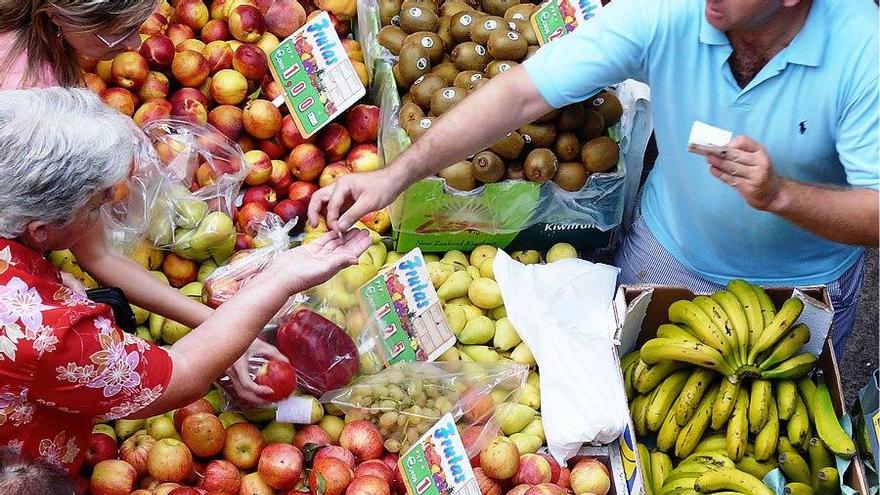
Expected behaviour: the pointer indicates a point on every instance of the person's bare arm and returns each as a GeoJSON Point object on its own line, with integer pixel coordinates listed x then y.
{"type": "Point", "coordinates": [506, 103]}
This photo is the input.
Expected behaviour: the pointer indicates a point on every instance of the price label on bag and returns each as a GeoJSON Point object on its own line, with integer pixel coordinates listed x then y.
{"type": "Point", "coordinates": [318, 78]}
{"type": "Point", "coordinates": [556, 18]}
{"type": "Point", "coordinates": [438, 463]}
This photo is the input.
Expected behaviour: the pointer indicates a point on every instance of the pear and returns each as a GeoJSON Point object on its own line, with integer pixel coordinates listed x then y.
{"type": "Point", "coordinates": [140, 314]}
{"type": "Point", "coordinates": [526, 443]}
{"type": "Point", "coordinates": [481, 353]}
{"type": "Point", "coordinates": [451, 355]}
{"type": "Point", "coordinates": [161, 276]}
{"type": "Point", "coordinates": [484, 293]}
{"type": "Point", "coordinates": [530, 257]}
{"type": "Point", "coordinates": [334, 293]}
{"type": "Point", "coordinates": [354, 277]}
{"type": "Point", "coordinates": [530, 396]}
{"type": "Point", "coordinates": [144, 333]}
{"type": "Point", "coordinates": [213, 231]}
{"type": "Point", "coordinates": [456, 318]}
{"type": "Point", "coordinates": [523, 355]}
{"type": "Point", "coordinates": [472, 311]}
{"type": "Point", "coordinates": [126, 427]}
{"type": "Point", "coordinates": [161, 229]}
{"type": "Point", "coordinates": [355, 322]}
{"type": "Point", "coordinates": [189, 212]}
{"type": "Point", "coordinates": [498, 313]}
{"type": "Point", "coordinates": [334, 314]}
{"type": "Point", "coordinates": [223, 251]}
{"type": "Point", "coordinates": [456, 257]}
{"type": "Point", "coordinates": [146, 255]}
{"type": "Point", "coordinates": [482, 253]}
{"type": "Point", "coordinates": [479, 330]}
{"type": "Point", "coordinates": [333, 426]}
{"type": "Point", "coordinates": [105, 429]}
{"type": "Point", "coordinates": [276, 432]}
{"type": "Point", "coordinates": [473, 271]}
{"type": "Point", "coordinates": [487, 268]}
{"type": "Point", "coordinates": [156, 321]}
{"type": "Point", "coordinates": [206, 269]}
{"type": "Point", "coordinates": [499, 396]}
{"type": "Point", "coordinates": [193, 290]}
{"type": "Point", "coordinates": [430, 257]}
{"type": "Point", "coordinates": [369, 363]}
{"type": "Point", "coordinates": [455, 286]}
{"type": "Point", "coordinates": [230, 418]}
{"type": "Point", "coordinates": [162, 427]}
{"type": "Point", "coordinates": [391, 258]}
{"type": "Point", "coordinates": [514, 417]}
{"type": "Point", "coordinates": [464, 357]}
{"type": "Point", "coordinates": [536, 427]}
{"type": "Point", "coordinates": [317, 411]}
{"type": "Point", "coordinates": [215, 398]}
{"type": "Point", "coordinates": [534, 379]}
{"type": "Point", "coordinates": [173, 331]}
{"type": "Point", "coordinates": [439, 272]}
{"type": "Point", "coordinates": [374, 236]}
{"type": "Point", "coordinates": [311, 236]}
{"type": "Point", "coordinates": [561, 251]}
{"type": "Point", "coordinates": [459, 301]}
{"type": "Point", "coordinates": [374, 256]}
{"type": "Point", "coordinates": [506, 337]}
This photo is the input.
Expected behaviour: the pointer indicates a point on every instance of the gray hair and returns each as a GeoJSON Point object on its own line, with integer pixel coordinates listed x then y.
{"type": "Point", "coordinates": [58, 147]}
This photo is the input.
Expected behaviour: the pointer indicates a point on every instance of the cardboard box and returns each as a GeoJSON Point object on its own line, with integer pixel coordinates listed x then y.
{"type": "Point", "coordinates": [640, 310]}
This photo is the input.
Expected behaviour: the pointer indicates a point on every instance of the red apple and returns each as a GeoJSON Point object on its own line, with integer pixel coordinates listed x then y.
{"type": "Point", "coordinates": [301, 191]}
{"type": "Point", "coordinates": [260, 167]}
{"type": "Point", "coordinates": [533, 469]}
{"type": "Point", "coordinates": [477, 406]}
{"type": "Point", "coordinates": [247, 24]}
{"type": "Point", "coordinates": [193, 13]}
{"type": "Point", "coordinates": [101, 448]}
{"type": "Point", "coordinates": [390, 459]}
{"type": "Point", "coordinates": [165, 488]}
{"type": "Point", "coordinates": [94, 83]}
{"type": "Point", "coordinates": [251, 62]}
{"type": "Point", "coordinates": [156, 86]}
{"type": "Point", "coordinates": [112, 477]}
{"type": "Point", "coordinates": [221, 477]}
{"type": "Point", "coordinates": [311, 434]}
{"type": "Point", "coordinates": [156, 109]}
{"type": "Point", "coordinates": [178, 33]}
{"type": "Point", "coordinates": [135, 450]}
{"type": "Point", "coordinates": [261, 119]}
{"type": "Point", "coordinates": [564, 478]}
{"type": "Point", "coordinates": [519, 490]}
{"type": "Point", "coordinates": [280, 178]}
{"type": "Point", "coordinates": [199, 406]}
{"type": "Point", "coordinates": [337, 452]}
{"type": "Point", "coordinates": [204, 434]}
{"type": "Point", "coordinates": [244, 443]}
{"type": "Point", "coordinates": [279, 376]}
{"type": "Point", "coordinates": [186, 490]}
{"type": "Point", "coordinates": [290, 209]}
{"type": "Point", "coordinates": [121, 99]}
{"type": "Point", "coordinates": [140, 491]}
{"type": "Point", "coordinates": [590, 476]}
{"type": "Point", "coordinates": [158, 51]}
{"type": "Point", "coordinates": [487, 485]}
{"type": "Point", "coordinates": [355, 52]}
{"type": "Point", "coordinates": [363, 158]}
{"type": "Point", "coordinates": [335, 474]}
{"type": "Point", "coordinates": [130, 70]}
{"type": "Point", "coordinates": [242, 242]}
{"type": "Point", "coordinates": [180, 271]}
{"type": "Point", "coordinates": [169, 460]}
{"type": "Point", "coordinates": [215, 30]}
{"type": "Point", "coordinates": [554, 467]}
{"type": "Point", "coordinates": [306, 162]}
{"type": "Point", "coordinates": [103, 69]}
{"type": "Point", "coordinates": [253, 484]}
{"type": "Point", "coordinates": [261, 194]}
{"type": "Point", "coordinates": [469, 438]}
{"type": "Point", "coordinates": [362, 122]}
{"type": "Point", "coordinates": [218, 8]}
{"type": "Point", "coordinates": [273, 147]}
{"type": "Point", "coordinates": [227, 119]}
{"type": "Point", "coordinates": [375, 467]}
{"type": "Point", "coordinates": [370, 485]}
{"type": "Point", "coordinates": [545, 489]}
{"type": "Point", "coordinates": [363, 439]}
{"type": "Point", "coordinates": [283, 17]}
{"type": "Point", "coordinates": [290, 134]}
{"type": "Point", "coordinates": [281, 466]}
{"type": "Point", "coordinates": [332, 172]}
{"type": "Point", "coordinates": [335, 141]}
{"type": "Point", "coordinates": [190, 68]}
{"type": "Point", "coordinates": [154, 25]}
{"type": "Point", "coordinates": [247, 142]}
{"type": "Point", "coordinates": [249, 217]}
{"type": "Point", "coordinates": [184, 94]}
{"type": "Point", "coordinates": [219, 56]}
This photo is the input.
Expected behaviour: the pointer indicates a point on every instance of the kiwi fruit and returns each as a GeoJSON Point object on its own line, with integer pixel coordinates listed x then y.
{"type": "Point", "coordinates": [506, 45]}
{"type": "Point", "coordinates": [567, 147]}
{"type": "Point", "coordinates": [498, 7]}
{"type": "Point", "coordinates": [391, 37]}
{"type": "Point", "coordinates": [533, 49]}
{"type": "Point", "coordinates": [459, 176]}
{"type": "Point", "coordinates": [443, 31]}
{"type": "Point", "coordinates": [479, 83]}
{"type": "Point", "coordinates": [414, 61]}
{"type": "Point", "coordinates": [515, 171]}
{"type": "Point", "coordinates": [547, 117]}
{"type": "Point", "coordinates": [416, 129]}
{"type": "Point", "coordinates": [498, 66]}
{"type": "Point", "coordinates": [481, 30]}
{"type": "Point", "coordinates": [470, 56]}
{"type": "Point", "coordinates": [416, 17]}
{"type": "Point", "coordinates": [571, 176]}
{"type": "Point", "coordinates": [388, 9]}
{"type": "Point", "coordinates": [431, 42]}
{"type": "Point", "coordinates": [424, 87]}
{"type": "Point", "coordinates": [591, 126]}
{"type": "Point", "coordinates": [406, 99]}
{"type": "Point", "coordinates": [509, 147]}
{"type": "Point", "coordinates": [540, 165]}
{"type": "Point", "coordinates": [444, 99]}
{"type": "Point", "coordinates": [600, 154]}
{"type": "Point", "coordinates": [447, 70]}
{"type": "Point", "coordinates": [410, 113]}
{"type": "Point", "coordinates": [520, 12]}
{"type": "Point", "coordinates": [460, 25]}
{"type": "Point", "coordinates": [449, 9]}
{"type": "Point", "coordinates": [466, 77]}
{"type": "Point", "coordinates": [570, 118]}
{"type": "Point", "coordinates": [488, 167]}
{"type": "Point", "coordinates": [401, 83]}
{"type": "Point", "coordinates": [539, 135]}
{"type": "Point", "coordinates": [608, 105]}
{"type": "Point", "coordinates": [425, 4]}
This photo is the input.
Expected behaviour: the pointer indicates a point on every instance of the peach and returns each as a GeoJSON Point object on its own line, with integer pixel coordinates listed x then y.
{"type": "Point", "coordinates": [156, 109]}
{"type": "Point", "coordinates": [159, 51]}
{"type": "Point", "coordinates": [533, 470]}
{"type": "Point", "coordinates": [370, 485]}
{"type": "Point", "coordinates": [363, 158]}
{"type": "Point", "coordinates": [266, 196]}
{"type": "Point", "coordinates": [189, 109]}
{"type": "Point", "coordinates": [378, 221]}
{"type": "Point", "coordinates": [353, 50]}
{"type": "Point", "coordinates": [215, 30]}
{"type": "Point", "coordinates": [178, 33]}
{"type": "Point", "coordinates": [267, 43]}
{"type": "Point", "coordinates": [500, 458]}
{"type": "Point", "coordinates": [306, 162]}
{"type": "Point", "coordinates": [229, 87]}
{"type": "Point", "coordinates": [219, 56]}
{"type": "Point", "coordinates": [590, 476]}
{"type": "Point", "coordinates": [247, 143]}
{"type": "Point", "coordinates": [156, 86]}
{"type": "Point", "coordinates": [261, 119]}
{"type": "Point", "coordinates": [190, 68]}
{"type": "Point", "coordinates": [218, 9]}
{"type": "Point", "coordinates": [249, 217]}
{"type": "Point", "coordinates": [94, 83]}
{"type": "Point", "coordinates": [184, 94]}
{"type": "Point", "coordinates": [227, 120]}
{"type": "Point", "coordinates": [283, 17]}
{"type": "Point", "coordinates": [195, 45]}
{"type": "Point", "coordinates": [290, 135]}
{"type": "Point", "coordinates": [120, 99]}
{"type": "Point", "coordinates": [230, 5]}
{"type": "Point", "coordinates": [487, 485]}
{"type": "Point", "coordinates": [130, 70]}
{"type": "Point", "coordinates": [362, 122]}
{"type": "Point", "coordinates": [192, 13]}
{"type": "Point", "coordinates": [246, 23]}
{"type": "Point", "coordinates": [288, 209]}
{"type": "Point", "coordinates": [332, 172]}
{"type": "Point", "coordinates": [335, 141]}
{"type": "Point", "coordinates": [251, 62]}
{"type": "Point", "coordinates": [205, 89]}
{"type": "Point", "coordinates": [361, 69]}
{"type": "Point", "coordinates": [519, 490]}
{"type": "Point", "coordinates": [273, 147]}
{"type": "Point", "coordinates": [280, 178]}
{"type": "Point", "coordinates": [302, 190]}
{"type": "Point", "coordinates": [363, 439]}
{"type": "Point", "coordinates": [103, 69]}
{"type": "Point", "coordinates": [205, 175]}
{"type": "Point", "coordinates": [260, 167]}
{"type": "Point", "coordinates": [180, 271]}
{"type": "Point", "coordinates": [155, 24]}
{"type": "Point", "coordinates": [272, 90]}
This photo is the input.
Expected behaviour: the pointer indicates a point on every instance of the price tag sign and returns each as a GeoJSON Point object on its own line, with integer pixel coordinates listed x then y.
{"type": "Point", "coordinates": [556, 18]}
{"type": "Point", "coordinates": [318, 79]}
{"type": "Point", "coordinates": [438, 463]}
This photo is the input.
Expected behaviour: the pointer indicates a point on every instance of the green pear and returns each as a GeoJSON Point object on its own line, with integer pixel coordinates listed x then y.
{"type": "Point", "coordinates": [193, 290]}
{"type": "Point", "coordinates": [530, 396]}
{"type": "Point", "coordinates": [523, 355]}
{"type": "Point", "coordinates": [161, 276]}
{"type": "Point", "coordinates": [439, 272]}
{"type": "Point", "coordinates": [230, 418]}
{"type": "Point", "coordinates": [456, 318]}
{"type": "Point", "coordinates": [173, 331]}
{"type": "Point", "coordinates": [215, 398]}
{"type": "Point", "coordinates": [473, 271]}
{"type": "Point", "coordinates": [206, 269]}
{"type": "Point", "coordinates": [536, 427]}
{"type": "Point", "coordinates": [189, 212]}
{"type": "Point", "coordinates": [160, 232]}
{"type": "Point", "coordinates": [498, 313]}
{"type": "Point", "coordinates": [199, 243]}
{"type": "Point", "coordinates": [430, 257]}
{"type": "Point", "coordinates": [391, 258]}
{"type": "Point", "coordinates": [156, 322]}
{"type": "Point", "coordinates": [499, 396]}
{"type": "Point", "coordinates": [487, 268]}
{"type": "Point", "coordinates": [463, 356]}
{"type": "Point", "coordinates": [144, 333]}
{"type": "Point", "coordinates": [506, 337]}
{"type": "Point", "coordinates": [333, 426]}
{"type": "Point", "coordinates": [479, 330]}
{"type": "Point", "coordinates": [534, 379]}
{"type": "Point", "coordinates": [262, 415]}
{"type": "Point", "coordinates": [482, 253]}
{"type": "Point", "coordinates": [374, 256]}
{"type": "Point", "coordinates": [354, 277]}
{"type": "Point", "coordinates": [105, 429]}
{"type": "Point", "coordinates": [514, 417]}
{"type": "Point", "coordinates": [140, 314]}
{"type": "Point", "coordinates": [276, 432]}
{"type": "Point", "coordinates": [472, 311]}
{"type": "Point", "coordinates": [484, 293]}
{"type": "Point", "coordinates": [162, 427]}
{"type": "Point", "coordinates": [333, 314]}
{"type": "Point", "coordinates": [335, 293]}
{"type": "Point", "coordinates": [481, 353]}
{"type": "Point", "coordinates": [455, 286]}
{"type": "Point", "coordinates": [450, 355]}
{"type": "Point", "coordinates": [530, 257]}
{"type": "Point", "coordinates": [456, 257]}
{"type": "Point", "coordinates": [526, 443]}
{"type": "Point", "coordinates": [561, 251]}
{"type": "Point", "coordinates": [126, 427]}
{"type": "Point", "coordinates": [459, 301]}
{"type": "Point", "coordinates": [223, 250]}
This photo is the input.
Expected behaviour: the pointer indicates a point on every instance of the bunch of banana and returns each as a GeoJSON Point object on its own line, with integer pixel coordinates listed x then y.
{"type": "Point", "coordinates": [702, 472]}
{"type": "Point", "coordinates": [737, 332]}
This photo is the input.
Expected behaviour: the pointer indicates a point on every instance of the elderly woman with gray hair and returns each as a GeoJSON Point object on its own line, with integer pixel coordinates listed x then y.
{"type": "Point", "coordinates": [63, 361]}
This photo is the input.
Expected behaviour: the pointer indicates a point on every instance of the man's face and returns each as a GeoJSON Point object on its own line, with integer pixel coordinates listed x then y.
{"type": "Point", "coordinates": [727, 15]}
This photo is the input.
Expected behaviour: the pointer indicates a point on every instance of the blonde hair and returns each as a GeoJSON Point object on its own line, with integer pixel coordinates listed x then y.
{"type": "Point", "coordinates": [30, 21]}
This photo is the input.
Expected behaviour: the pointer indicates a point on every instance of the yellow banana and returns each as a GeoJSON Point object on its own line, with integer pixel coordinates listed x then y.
{"type": "Point", "coordinates": [716, 442]}
{"type": "Point", "coordinates": [738, 427]}
{"type": "Point", "coordinates": [724, 402]}
{"type": "Point", "coordinates": [828, 481]}
{"type": "Point", "coordinates": [719, 317]}
{"type": "Point", "coordinates": [794, 466]}
{"type": "Point", "coordinates": [790, 311]}
{"type": "Point", "coordinates": [787, 346]}
{"type": "Point", "coordinates": [730, 479]}
{"type": "Point", "coordinates": [661, 466]}
{"type": "Point", "coordinates": [629, 360]}
{"type": "Point", "coordinates": [693, 431]}
{"type": "Point", "coordinates": [696, 353]}
{"type": "Point", "coordinates": [768, 309]}
{"type": "Point", "coordinates": [638, 406]}
{"type": "Point", "coordinates": [670, 331]}
{"type": "Point", "coordinates": [652, 376]}
{"type": "Point", "coordinates": [794, 367]}
{"type": "Point", "coordinates": [827, 425]}
{"type": "Point", "coordinates": [638, 369]}
{"type": "Point", "coordinates": [668, 433]}
{"type": "Point", "coordinates": [679, 485]}
{"type": "Point", "coordinates": [768, 437]}
{"type": "Point", "coordinates": [759, 405]}
{"type": "Point", "coordinates": [708, 460]}
{"type": "Point", "coordinates": [797, 489]}
{"type": "Point", "coordinates": [784, 445]}
{"type": "Point", "coordinates": [756, 468]}
{"type": "Point", "coordinates": [628, 388]}
{"type": "Point", "coordinates": [645, 465]}
{"type": "Point", "coordinates": [751, 307]}
{"type": "Point", "coordinates": [786, 398]}
{"type": "Point", "coordinates": [808, 393]}
{"type": "Point", "coordinates": [820, 457]}
{"type": "Point", "coordinates": [734, 310]}
{"type": "Point", "coordinates": [691, 394]}
{"type": "Point", "coordinates": [798, 426]}
{"type": "Point", "coordinates": [667, 393]}
{"type": "Point", "coordinates": [688, 313]}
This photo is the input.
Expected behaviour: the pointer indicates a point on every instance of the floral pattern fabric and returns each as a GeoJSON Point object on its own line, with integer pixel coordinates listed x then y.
{"type": "Point", "coordinates": [64, 363]}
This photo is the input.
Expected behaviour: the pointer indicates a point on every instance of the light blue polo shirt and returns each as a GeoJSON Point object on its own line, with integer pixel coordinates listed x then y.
{"type": "Point", "coordinates": [814, 107]}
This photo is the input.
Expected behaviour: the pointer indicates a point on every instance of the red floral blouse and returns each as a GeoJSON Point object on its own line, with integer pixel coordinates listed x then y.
{"type": "Point", "coordinates": [63, 362]}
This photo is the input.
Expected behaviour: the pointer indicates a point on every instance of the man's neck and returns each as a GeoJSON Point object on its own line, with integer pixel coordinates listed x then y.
{"type": "Point", "coordinates": [775, 32]}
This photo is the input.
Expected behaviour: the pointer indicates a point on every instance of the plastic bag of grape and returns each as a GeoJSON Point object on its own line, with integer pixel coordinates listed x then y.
{"type": "Point", "coordinates": [405, 400]}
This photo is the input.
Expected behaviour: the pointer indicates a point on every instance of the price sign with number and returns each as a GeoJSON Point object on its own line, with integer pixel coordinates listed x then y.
{"type": "Point", "coordinates": [556, 18]}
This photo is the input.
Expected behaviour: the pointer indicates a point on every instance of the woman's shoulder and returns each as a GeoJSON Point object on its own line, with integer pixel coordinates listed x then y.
{"type": "Point", "coordinates": [15, 67]}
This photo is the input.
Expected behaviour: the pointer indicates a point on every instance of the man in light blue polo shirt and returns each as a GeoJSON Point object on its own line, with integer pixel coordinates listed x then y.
{"type": "Point", "coordinates": [790, 201]}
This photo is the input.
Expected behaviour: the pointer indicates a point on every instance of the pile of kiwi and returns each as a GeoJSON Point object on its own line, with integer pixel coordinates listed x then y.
{"type": "Point", "coordinates": [447, 49]}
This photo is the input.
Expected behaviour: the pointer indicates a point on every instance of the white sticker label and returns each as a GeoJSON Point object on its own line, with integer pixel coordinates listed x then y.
{"type": "Point", "coordinates": [490, 24]}
{"type": "Point", "coordinates": [448, 93]}
{"type": "Point", "coordinates": [422, 64]}
{"type": "Point", "coordinates": [427, 42]}
{"type": "Point", "coordinates": [425, 123]}
{"type": "Point", "coordinates": [513, 36]}
{"type": "Point", "coordinates": [480, 50]}
{"type": "Point", "coordinates": [465, 20]}
{"type": "Point", "coordinates": [296, 409]}
{"type": "Point", "coordinates": [415, 12]}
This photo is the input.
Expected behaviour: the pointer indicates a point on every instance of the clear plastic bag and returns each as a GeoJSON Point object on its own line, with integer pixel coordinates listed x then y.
{"type": "Point", "coordinates": [405, 400]}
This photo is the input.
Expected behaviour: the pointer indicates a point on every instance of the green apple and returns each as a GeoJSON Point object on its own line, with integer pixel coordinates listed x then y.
{"type": "Point", "coordinates": [333, 426]}
{"type": "Point", "coordinates": [126, 427]}
{"type": "Point", "coordinates": [276, 432]}
{"type": "Point", "coordinates": [215, 398]}
{"type": "Point", "coordinates": [230, 418]}
{"type": "Point", "coordinates": [105, 429]}
{"type": "Point", "coordinates": [163, 427]}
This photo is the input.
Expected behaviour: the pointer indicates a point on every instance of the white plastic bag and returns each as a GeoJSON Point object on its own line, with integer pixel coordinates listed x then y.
{"type": "Point", "coordinates": [561, 312]}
